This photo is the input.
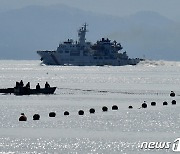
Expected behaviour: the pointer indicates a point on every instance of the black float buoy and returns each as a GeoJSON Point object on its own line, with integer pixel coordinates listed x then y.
{"type": "Point", "coordinates": [22, 117]}
{"type": "Point", "coordinates": [81, 112]}
{"type": "Point", "coordinates": [66, 113]}
{"type": "Point", "coordinates": [144, 105]}
{"type": "Point", "coordinates": [165, 103]}
{"type": "Point", "coordinates": [104, 109]}
{"type": "Point", "coordinates": [36, 117]}
{"type": "Point", "coordinates": [153, 103]}
{"type": "Point", "coordinates": [114, 107]}
{"type": "Point", "coordinates": [172, 94]}
{"type": "Point", "coordinates": [52, 114]}
{"type": "Point", "coordinates": [173, 102]}
{"type": "Point", "coordinates": [92, 110]}
{"type": "Point", "coordinates": [130, 107]}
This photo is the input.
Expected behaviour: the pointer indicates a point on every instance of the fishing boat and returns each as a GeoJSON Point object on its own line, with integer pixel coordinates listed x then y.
{"type": "Point", "coordinates": [26, 91]}
{"type": "Point", "coordinates": [7, 90]}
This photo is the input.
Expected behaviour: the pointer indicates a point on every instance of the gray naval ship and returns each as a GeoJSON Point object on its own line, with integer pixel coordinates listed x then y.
{"type": "Point", "coordinates": [82, 53]}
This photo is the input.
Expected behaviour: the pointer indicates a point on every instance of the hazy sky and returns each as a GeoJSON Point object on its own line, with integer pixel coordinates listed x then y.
{"type": "Point", "coordinates": [168, 8]}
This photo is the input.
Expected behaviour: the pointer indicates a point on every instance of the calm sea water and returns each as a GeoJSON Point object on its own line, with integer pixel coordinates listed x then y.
{"type": "Point", "coordinates": [83, 88]}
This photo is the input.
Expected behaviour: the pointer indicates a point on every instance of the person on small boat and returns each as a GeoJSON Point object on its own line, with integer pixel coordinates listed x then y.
{"type": "Point", "coordinates": [47, 85]}
{"type": "Point", "coordinates": [21, 83]}
{"type": "Point", "coordinates": [38, 87]}
{"type": "Point", "coordinates": [17, 84]}
{"type": "Point", "coordinates": [28, 85]}
{"type": "Point", "coordinates": [26, 89]}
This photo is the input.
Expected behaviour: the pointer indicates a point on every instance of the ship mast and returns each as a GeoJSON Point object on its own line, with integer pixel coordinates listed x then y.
{"type": "Point", "coordinates": [81, 34]}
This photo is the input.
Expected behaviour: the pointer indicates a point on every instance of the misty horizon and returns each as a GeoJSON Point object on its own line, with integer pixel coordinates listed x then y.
{"type": "Point", "coordinates": [34, 27]}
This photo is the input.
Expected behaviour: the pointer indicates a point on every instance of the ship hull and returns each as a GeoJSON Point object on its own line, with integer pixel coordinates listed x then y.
{"type": "Point", "coordinates": [55, 58]}
{"type": "Point", "coordinates": [25, 91]}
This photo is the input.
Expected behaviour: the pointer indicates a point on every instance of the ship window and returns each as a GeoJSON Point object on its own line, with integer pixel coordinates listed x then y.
{"type": "Point", "coordinates": [74, 54]}
{"type": "Point", "coordinates": [66, 51]}
{"type": "Point", "coordinates": [95, 57]}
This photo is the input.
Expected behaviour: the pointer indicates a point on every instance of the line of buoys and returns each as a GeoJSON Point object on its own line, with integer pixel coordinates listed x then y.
{"type": "Point", "coordinates": [104, 109]}
{"type": "Point", "coordinates": [22, 117]}
{"type": "Point", "coordinates": [165, 103]}
{"type": "Point", "coordinates": [36, 117]}
{"type": "Point", "coordinates": [114, 107]}
{"type": "Point", "coordinates": [130, 107]}
{"type": "Point", "coordinates": [144, 105]}
{"type": "Point", "coordinates": [66, 113]}
{"type": "Point", "coordinates": [153, 103]}
{"type": "Point", "coordinates": [81, 112]}
{"type": "Point", "coordinates": [52, 114]}
{"type": "Point", "coordinates": [173, 102]}
{"type": "Point", "coordinates": [92, 111]}
{"type": "Point", "coordinates": [172, 94]}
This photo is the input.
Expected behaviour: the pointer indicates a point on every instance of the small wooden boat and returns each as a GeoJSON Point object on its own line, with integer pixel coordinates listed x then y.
{"type": "Point", "coordinates": [27, 91]}
{"type": "Point", "coordinates": [7, 90]}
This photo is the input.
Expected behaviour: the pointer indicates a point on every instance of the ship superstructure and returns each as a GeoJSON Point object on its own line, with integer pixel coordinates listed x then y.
{"type": "Point", "coordinates": [83, 53]}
